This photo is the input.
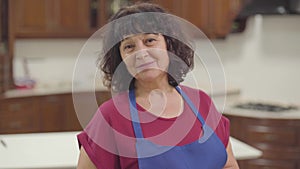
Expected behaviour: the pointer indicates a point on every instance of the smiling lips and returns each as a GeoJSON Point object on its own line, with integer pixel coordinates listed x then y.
{"type": "Point", "coordinates": [145, 65]}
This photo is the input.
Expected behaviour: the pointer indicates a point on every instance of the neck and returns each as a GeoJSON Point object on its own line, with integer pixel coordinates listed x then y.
{"type": "Point", "coordinates": [144, 88]}
{"type": "Point", "coordinates": [159, 98]}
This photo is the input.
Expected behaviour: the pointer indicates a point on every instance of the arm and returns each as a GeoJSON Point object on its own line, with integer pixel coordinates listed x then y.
{"type": "Point", "coordinates": [84, 161]}
{"type": "Point", "coordinates": [231, 161]}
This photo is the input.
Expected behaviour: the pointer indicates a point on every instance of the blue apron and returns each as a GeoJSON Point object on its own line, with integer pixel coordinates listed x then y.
{"type": "Point", "coordinates": [206, 153]}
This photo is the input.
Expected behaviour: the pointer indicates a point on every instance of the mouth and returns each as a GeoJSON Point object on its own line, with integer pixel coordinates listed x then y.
{"type": "Point", "coordinates": [145, 65]}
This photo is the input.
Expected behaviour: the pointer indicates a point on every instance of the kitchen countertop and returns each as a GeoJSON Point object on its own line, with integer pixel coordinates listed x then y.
{"type": "Point", "coordinates": [233, 97]}
{"type": "Point", "coordinates": [16, 93]}
{"type": "Point", "coordinates": [60, 150]}
{"type": "Point", "coordinates": [231, 109]}
{"type": "Point", "coordinates": [291, 115]}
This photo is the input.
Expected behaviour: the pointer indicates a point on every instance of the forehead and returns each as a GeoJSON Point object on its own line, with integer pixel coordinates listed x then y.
{"type": "Point", "coordinates": [139, 36]}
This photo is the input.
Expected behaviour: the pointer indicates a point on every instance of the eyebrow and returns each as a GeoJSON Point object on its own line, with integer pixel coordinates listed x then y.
{"type": "Point", "coordinates": [126, 37]}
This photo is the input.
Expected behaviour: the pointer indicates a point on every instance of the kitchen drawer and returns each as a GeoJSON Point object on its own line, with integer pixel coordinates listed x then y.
{"type": "Point", "coordinates": [85, 108]}
{"type": "Point", "coordinates": [283, 136]}
{"type": "Point", "coordinates": [270, 164]}
{"type": "Point", "coordinates": [277, 151]}
{"type": "Point", "coordinates": [278, 139]}
{"type": "Point", "coordinates": [18, 107]}
{"type": "Point", "coordinates": [19, 124]}
{"type": "Point", "coordinates": [19, 116]}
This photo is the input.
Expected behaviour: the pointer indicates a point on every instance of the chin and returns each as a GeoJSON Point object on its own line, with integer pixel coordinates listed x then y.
{"type": "Point", "coordinates": [149, 75]}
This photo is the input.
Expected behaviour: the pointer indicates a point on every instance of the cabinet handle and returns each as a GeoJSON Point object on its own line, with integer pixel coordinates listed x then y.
{"type": "Point", "coordinates": [94, 4]}
{"type": "Point", "coordinates": [270, 137]}
{"type": "Point", "coordinates": [266, 168]}
{"type": "Point", "coordinates": [15, 107]}
{"type": "Point", "coordinates": [52, 99]}
{"type": "Point", "coordinates": [15, 125]}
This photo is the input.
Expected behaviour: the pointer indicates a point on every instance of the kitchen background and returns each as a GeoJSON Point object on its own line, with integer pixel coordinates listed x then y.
{"type": "Point", "coordinates": [257, 42]}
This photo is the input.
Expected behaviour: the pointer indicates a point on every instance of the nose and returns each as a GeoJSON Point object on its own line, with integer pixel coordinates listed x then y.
{"type": "Point", "coordinates": [141, 50]}
{"type": "Point", "coordinates": [141, 54]}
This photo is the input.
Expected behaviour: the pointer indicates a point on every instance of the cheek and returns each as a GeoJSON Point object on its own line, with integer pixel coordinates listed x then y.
{"type": "Point", "coordinates": [164, 63]}
{"type": "Point", "coordinates": [126, 59]}
{"type": "Point", "coordinates": [158, 53]}
{"type": "Point", "coordinates": [129, 63]}
{"type": "Point", "coordinates": [161, 55]}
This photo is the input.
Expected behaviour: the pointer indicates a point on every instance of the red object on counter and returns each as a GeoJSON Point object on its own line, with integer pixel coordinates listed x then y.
{"type": "Point", "coordinates": [24, 83]}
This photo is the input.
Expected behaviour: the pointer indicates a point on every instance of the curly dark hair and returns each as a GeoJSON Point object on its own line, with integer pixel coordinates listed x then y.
{"type": "Point", "coordinates": [138, 22]}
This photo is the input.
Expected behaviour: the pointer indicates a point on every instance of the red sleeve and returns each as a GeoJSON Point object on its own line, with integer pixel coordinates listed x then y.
{"type": "Point", "coordinates": [89, 147]}
{"type": "Point", "coordinates": [94, 137]}
{"type": "Point", "coordinates": [223, 130]}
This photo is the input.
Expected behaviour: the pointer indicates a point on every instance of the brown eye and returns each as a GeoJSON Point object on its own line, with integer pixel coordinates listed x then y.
{"type": "Point", "coordinates": [150, 41]}
{"type": "Point", "coordinates": [128, 48]}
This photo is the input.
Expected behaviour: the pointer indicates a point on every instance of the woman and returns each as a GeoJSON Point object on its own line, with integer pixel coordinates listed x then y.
{"type": "Point", "coordinates": [152, 121]}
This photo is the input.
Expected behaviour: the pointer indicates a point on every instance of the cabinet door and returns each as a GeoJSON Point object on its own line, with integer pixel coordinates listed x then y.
{"type": "Point", "coordinates": [71, 120]}
{"type": "Point", "coordinates": [1, 74]}
{"type": "Point", "coordinates": [52, 112]}
{"type": "Point", "coordinates": [213, 17]}
{"type": "Point", "coordinates": [85, 109]}
{"type": "Point", "coordinates": [70, 16]}
{"type": "Point", "coordinates": [197, 12]}
{"type": "Point", "coordinates": [172, 6]}
{"type": "Point", "coordinates": [5, 73]}
{"type": "Point", "coordinates": [222, 15]}
{"type": "Point", "coordinates": [50, 18]}
{"type": "Point", "coordinates": [30, 15]}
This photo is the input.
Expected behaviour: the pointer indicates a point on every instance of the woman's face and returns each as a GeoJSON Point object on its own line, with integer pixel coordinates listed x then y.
{"type": "Point", "coordinates": [145, 55]}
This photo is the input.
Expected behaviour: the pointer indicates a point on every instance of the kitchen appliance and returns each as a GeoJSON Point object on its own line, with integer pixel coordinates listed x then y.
{"type": "Point", "coordinates": [267, 107]}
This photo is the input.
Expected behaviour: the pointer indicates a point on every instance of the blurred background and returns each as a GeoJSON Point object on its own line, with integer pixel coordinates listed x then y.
{"type": "Point", "coordinates": [258, 42]}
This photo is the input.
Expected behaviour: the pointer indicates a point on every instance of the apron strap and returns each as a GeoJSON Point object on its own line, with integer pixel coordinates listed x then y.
{"type": "Point", "coordinates": [134, 115]}
{"type": "Point", "coordinates": [192, 106]}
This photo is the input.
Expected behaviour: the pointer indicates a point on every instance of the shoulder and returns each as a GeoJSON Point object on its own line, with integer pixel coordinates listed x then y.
{"type": "Point", "coordinates": [114, 106]}
{"type": "Point", "coordinates": [197, 95]}
{"type": "Point", "coordinates": [190, 90]}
